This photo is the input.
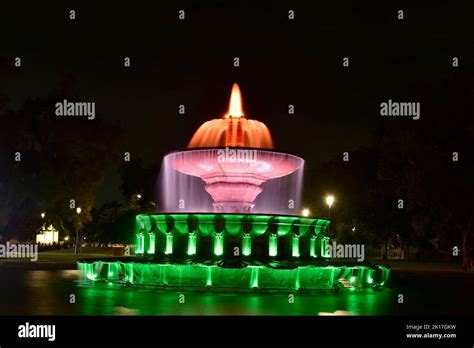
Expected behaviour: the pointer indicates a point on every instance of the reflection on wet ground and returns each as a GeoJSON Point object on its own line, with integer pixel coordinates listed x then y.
{"type": "Point", "coordinates": [48, 292]}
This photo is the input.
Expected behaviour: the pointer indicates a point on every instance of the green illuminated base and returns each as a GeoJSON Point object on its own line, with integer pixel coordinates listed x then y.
{"type": "Point", "coordinates": [261, 277]}
{"type": "Point", "coordinates": [209, 236]}
{"type": "Point", "coordinates": [232, 251]}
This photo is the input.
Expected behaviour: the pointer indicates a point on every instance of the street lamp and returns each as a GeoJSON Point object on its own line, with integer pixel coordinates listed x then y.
{"type": "Point", "coordinates": [76, 247]}
{"type": "Point", "coordinates": [305, 212]}
{"type": "Point", "coordinates": [42, 218]}
{"type": "Point", "coordinates": [329, 202]}
{"type": "Point", "coordinates": [139, 196]}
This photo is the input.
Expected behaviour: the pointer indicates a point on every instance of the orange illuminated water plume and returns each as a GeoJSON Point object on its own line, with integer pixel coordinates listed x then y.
{"type": "Point", "coordinates": [233, 130]}
{"type": "Point", "coordinates": [235, 104]}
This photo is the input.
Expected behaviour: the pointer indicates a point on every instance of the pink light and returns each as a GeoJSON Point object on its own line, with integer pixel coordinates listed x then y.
{"type": "Point", "coordinates": [234, 185]}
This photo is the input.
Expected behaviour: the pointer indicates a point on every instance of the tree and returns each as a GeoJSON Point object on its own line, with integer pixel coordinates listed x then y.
{"type": "Point", "coordinates": [62, 159]}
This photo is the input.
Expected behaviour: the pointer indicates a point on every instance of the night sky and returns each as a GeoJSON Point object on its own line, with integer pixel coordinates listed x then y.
{"type": "Point", "coordinates": [282, 62]}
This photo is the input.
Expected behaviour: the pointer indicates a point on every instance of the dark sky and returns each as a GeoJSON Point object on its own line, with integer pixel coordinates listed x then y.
{"type": "Point", "coordinates": [281, 62]}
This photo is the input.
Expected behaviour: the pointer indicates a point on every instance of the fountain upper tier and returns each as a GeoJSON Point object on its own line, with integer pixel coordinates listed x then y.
{"type": "Point", "coordinates": [234, 177]}
{"type": "Point", "coordinates": [233, 129]}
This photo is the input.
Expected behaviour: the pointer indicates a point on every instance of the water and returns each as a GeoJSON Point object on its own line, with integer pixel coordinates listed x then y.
{"type": "Point", "coordinates": [181, 192]}
{"type": "Point", "coordinates": [46, 292]}
{"type": "Point", "coordinates": [234, 132]}
{"type": "Point", "coordinates": [210, 180]}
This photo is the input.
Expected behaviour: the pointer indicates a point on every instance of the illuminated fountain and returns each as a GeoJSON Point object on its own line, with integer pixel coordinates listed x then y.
{"type": "Point", "coordinates": [222, 224]}
{"type": "Point", "coordinates": [233, 157]}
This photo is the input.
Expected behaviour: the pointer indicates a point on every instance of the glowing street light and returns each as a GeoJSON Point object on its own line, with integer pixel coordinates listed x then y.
{"type": "Point", "coordinates": [76, 246]}
{"type": "Point", "coordinates": [43, 215]}
{"type": "Point", "coordinates": [329, 202]}
{"type": "Point", "coordinates": [139, 196]}
{"type": "Point", "coordinates": [305, 212]}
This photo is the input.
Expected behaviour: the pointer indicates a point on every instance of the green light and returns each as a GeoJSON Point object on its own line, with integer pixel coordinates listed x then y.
{"type": "Point", "coordinates": [297, 281]}
{"type": "Point", "coordinates": [130, 272]}
{"type": "Point", "coordinates": [308, 277]}
{"type": "Point", "coordinates": [324, 249]}
{"type": "Point", "coordinates": [191, 244]}
{"type": "Point", "coordinates": [111, 274]}
{"type": "Point", "coordinates": [218, 244]}
{"type": "Point", "coordinates": [296, 246]}
{"type": "Point", "coordinates": [209, 277]}
{"type": "Point", "coordinates": [246, 245]}
{"type": "Point", "coordinates": [205, 223]}
{"type": "Point", "coordinates": [289, 237]}
{"type": "Point", "coordinates": [254, 278]}
{"type": "Point", "coordinates": [312, 247]}
{"type": "Point", "coordinates": [273, 246]}
{"type": "Point", "coordinates": [169, 244]}
{"type": "Point", "coordinates": [140, 243]}
{"type": "Point", "coordinates": [158, 231]}
{"type": "Point", "coordinates": [151, 247]}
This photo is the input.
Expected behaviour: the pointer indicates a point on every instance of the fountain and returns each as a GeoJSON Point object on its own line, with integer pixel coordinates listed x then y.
{"type": "Point", "coordinates": [228, 220]}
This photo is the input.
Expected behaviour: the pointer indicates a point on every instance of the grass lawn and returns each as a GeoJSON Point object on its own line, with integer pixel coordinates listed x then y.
{"type": "Point", "coordinates": [64, 258]}
{"type": "Point", "coordinates": [68, 254]}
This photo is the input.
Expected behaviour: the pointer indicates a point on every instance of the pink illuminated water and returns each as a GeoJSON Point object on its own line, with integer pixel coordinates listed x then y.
{"type": "Point", "coordinates": [211, 180]}
{"type": "Point", "coordinates": [229, 167]}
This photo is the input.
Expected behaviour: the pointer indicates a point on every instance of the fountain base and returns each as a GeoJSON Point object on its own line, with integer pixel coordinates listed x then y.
{"type": "Point", "coordinates": [251, 276]}
{"type": "Point", "coordinates": [233, 251]}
